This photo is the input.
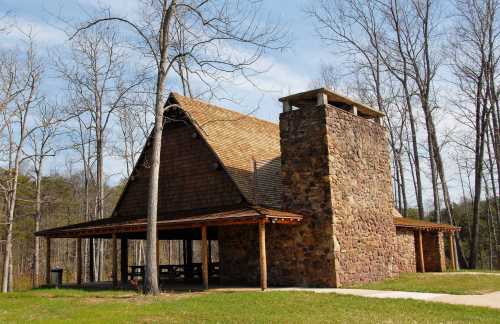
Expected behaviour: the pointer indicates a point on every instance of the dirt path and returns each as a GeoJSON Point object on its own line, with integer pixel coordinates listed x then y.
{"type": "Point", "coordinates": [487, 300]}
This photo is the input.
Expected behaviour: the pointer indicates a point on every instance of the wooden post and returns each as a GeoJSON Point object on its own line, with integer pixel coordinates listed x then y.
{"type": "Point", "coordinates": [209, 252]}
{"type": "Point", "coordinates": [262, 253]}
{"type": "Point", "coordinates": [91, 260]}
{"type": "Point", "coordinates": [204, 255]}
{"type": "Point", "coordinates": [189, 259]}
{"type": "Point", "coordinates": [158, 252]}
{"type": "Point", "coordinates": [158, 255]}
{"type": "Point", "coordinates": [79, 261]}
{"type": "Point", "coordinates": [124, 260]}
{"type": "Point", "coordinates": [114, 261]}
{"type": "Point", "coordinates": [47, 262]}
{"type": "Point", "coordinates": [454, 251]}
{"type": "Point", "coordinates": [421, 252]}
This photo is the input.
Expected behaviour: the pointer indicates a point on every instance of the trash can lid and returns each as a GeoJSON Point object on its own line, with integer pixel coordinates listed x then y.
{"type": "Point", "coordinates": [56, 270]}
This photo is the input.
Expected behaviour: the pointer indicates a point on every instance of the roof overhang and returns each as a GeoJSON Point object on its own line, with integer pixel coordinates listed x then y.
{"type": "Point", "coordinates": [416, 224]}
{"type": "Point", "coordinates": [184, 220]}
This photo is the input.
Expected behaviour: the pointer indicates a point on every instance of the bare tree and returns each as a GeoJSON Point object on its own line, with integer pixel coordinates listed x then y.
{"type": "Point", "coordinates": [356, 29]}
{"type": "Point", "coordinates": [211, 33]}
{"type": "Point", "coordinates": [41, 142]}
{"type": "Point", "coordinates": [17, 130]}
{"type": "Point", "coordinates": [97, 79]}
{"type": "Point", "coordinates": [474, 61]}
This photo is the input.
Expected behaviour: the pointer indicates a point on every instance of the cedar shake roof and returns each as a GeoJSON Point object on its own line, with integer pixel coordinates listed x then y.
{"type": "Point", "coordinates": [237, 140]}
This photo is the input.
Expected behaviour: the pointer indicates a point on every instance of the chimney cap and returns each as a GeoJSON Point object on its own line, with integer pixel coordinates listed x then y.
{"type": "Point", "coordinates": [298, 98]}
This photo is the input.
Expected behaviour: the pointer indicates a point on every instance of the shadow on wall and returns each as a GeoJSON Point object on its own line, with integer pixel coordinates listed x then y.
{"type": "Point", "coordinates": [263, 183]}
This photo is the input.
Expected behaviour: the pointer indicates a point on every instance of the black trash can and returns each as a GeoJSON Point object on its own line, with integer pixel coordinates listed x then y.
{"type": "Point", "coordinates": [56, 276]}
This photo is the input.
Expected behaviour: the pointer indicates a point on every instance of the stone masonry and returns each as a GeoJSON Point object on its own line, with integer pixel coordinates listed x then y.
{"type": "Point", "coordinates": [300, 255]}
{"type": "Point", "coordinates": [360, 178]}
{"type": "Point", "coordinates": [434, 256]}
{"type": "Point", "coordinates": [304, 254]}
{"type": "Point", "coordinates": [335, 172]}
{"type": "Point", "coordinates": [405, 257]}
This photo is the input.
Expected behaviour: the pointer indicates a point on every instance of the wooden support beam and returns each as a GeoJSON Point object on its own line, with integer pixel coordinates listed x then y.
{"type": "Point", "coordinates": [47, 261]}
{"type": "Point", "coordinates": [114, 257]}
{"type": "Point", "coordinates": [158, 253]}
{"type": "Point", "coordinates": [262, 254]}
{"type": "Point", "coordinates": [420, 251]}
{"type": "Point", "coordinates": [79, 261]}
{"type": "Point", "coordinates": [204, 255]}
{"type": "Point", "coordinates": [189, 259]}
{"type": "Point", "coordinates": [453, 252]}
{"type": "Point", "coordinates": [209, 252]}
{"type": "Point", "coordinates": [124, 260]}
{"type": "Point", "coordinates": [91, 260]}
{"type": "Point", "coordinates": [189, 251]}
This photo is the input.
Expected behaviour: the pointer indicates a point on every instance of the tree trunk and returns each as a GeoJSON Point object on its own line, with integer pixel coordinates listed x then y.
{"type": "Point", "coordinates": [38, 217]}
{"type": "Point", "coordinates": [151, 275]}
{"type": "Point", "coordinates": [8, 280]}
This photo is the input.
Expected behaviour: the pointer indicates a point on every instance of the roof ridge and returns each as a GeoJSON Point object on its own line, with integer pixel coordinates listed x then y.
{"type": "Point", "coordinates": [176, 94]}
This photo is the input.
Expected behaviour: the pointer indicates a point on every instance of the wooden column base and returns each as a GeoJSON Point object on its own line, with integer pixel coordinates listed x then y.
{"type": "Point", "coordinates": [262, 254]}
{"type": "Point", "coordinates": [204, 254]}
{"type": "Point", "coordinates": [114, 273]}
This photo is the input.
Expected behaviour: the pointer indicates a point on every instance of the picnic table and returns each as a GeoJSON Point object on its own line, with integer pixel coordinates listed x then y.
{"type": "Point", "coordinates": [175, 271]}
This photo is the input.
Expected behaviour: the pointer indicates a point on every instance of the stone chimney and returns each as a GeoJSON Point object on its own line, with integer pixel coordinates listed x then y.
{"type": "Point", "coordinates": [336, 172]}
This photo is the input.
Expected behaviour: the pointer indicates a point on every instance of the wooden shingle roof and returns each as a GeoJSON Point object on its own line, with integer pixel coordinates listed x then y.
{"type": "Point", "coordinates": [237, 140]}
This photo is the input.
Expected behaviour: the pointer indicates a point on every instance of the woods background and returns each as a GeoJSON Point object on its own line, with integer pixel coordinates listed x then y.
{"type": "Point", "coordinates": [74, 119]}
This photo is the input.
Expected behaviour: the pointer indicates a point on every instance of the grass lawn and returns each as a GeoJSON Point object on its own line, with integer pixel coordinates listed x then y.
{"type": "Point", "coordinates": [450, 283]}
{"type": "Point", "coordinates": [53, 306]}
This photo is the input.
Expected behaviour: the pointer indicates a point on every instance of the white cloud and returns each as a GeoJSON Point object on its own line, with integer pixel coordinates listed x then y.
{"type": "Point", "coordinates": [41, 32]}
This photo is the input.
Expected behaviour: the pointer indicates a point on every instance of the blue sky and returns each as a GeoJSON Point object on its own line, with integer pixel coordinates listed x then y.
{"type": "Point", "coordinates": [289, 71]}
{"type": "Point", "coordinates": [286, 72]}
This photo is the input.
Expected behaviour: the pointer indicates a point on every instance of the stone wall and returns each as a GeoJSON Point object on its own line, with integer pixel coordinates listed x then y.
{"type": "Point", "coordinates": [335, 172]}
{"type": "Point", "coordinates": [360, 177]}
{"type": "Point", "coordinates": [434, 255]}
{"type": "Point", "coordinates": [405, 256]}
{"type": "Point", "coordinates": [239, 254]}
{"type": "Point", "coordinates": [303, 254]}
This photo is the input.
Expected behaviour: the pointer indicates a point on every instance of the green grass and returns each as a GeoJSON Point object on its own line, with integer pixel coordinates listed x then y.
{"type": "Point", "coordinates": [458, 284]}
{"type": "Point", "coordinates": [57, 306]}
